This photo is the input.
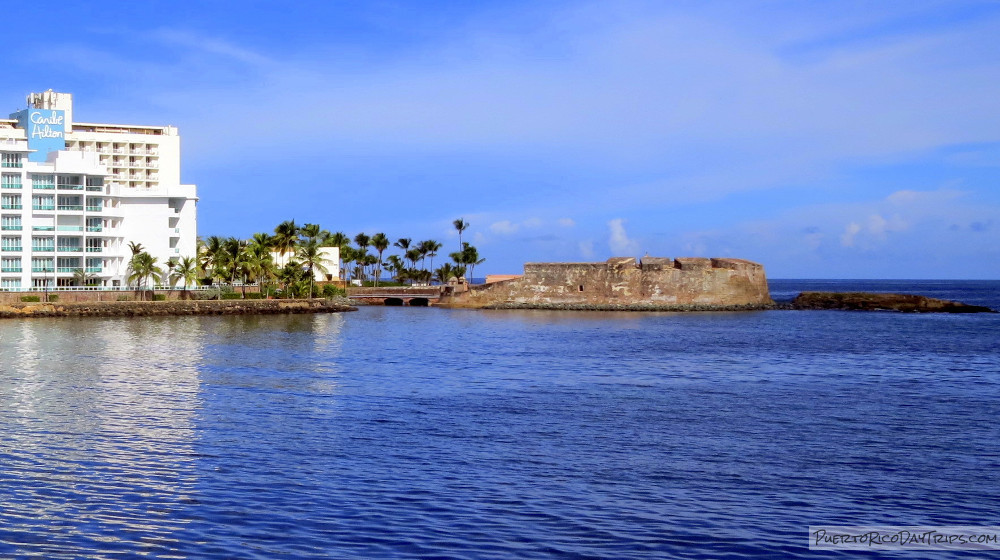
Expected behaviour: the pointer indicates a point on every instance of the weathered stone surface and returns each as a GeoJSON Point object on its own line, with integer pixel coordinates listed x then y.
{"type": "Point", "coordinates": [866, 301]}
{"type": "Point", "coordinates": [167, 308]}
{"type": "Point", "coordinates": [621, 283]}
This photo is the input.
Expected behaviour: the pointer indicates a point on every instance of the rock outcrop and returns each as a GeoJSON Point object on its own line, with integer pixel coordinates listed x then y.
{"type": "Point", "coordinates": [866, 301]}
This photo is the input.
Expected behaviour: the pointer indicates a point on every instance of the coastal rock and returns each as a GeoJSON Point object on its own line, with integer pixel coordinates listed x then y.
{"type": "Point", "coordinates": [867, 301]}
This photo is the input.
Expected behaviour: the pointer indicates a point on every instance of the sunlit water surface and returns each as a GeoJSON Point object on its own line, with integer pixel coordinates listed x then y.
{"type": "Point", "coordinates": [398, 432]}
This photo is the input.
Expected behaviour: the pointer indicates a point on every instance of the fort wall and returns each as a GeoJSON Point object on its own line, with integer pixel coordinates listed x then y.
{"type": "Point", "coordinates": [621, 282]}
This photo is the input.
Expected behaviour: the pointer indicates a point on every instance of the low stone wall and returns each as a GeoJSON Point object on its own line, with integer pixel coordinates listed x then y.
{"type": "Point", "coordinates": [622, 283]}
{"type": "Point", "coordinates": [169, 308]}
{"type": "Point", "coordinates": [74, 296]}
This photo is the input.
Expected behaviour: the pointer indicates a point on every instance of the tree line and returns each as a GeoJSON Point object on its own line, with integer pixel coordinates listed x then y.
{"type": "Point", "coordinates": [300, 255]}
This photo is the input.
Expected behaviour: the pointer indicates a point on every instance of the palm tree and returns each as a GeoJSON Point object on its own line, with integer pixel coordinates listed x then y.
{"type": "Point", "coordinates": [362, 240]}
{"type": "Point", "coordinates": [211, 252]}
{"type": "Point", "coordinates": [444, 272]}
{"type": "Point", "coordinates": [81, 278]}
{"type": "Point", "coordinates": [286, 237]}
{"type": "Point", "coordinates": [135, 247]}
{"type": "Point", "coordinates": [468, 256]}
{"type": "Point", "coordinates": [142, 267]}
{"type": "Point", "coordinates": [403, 243]}
{"type": "Point", "coordinates": [187, 272]}
{"type": "Point", "coordinates": [432, 248]}
{"type": "Point", "coordinates": [461, 225]}
{"type": "Point", "coordinates": [380, 243]}
{"type": "Point", "coordinates": [311, 253]}
{"type": "Point", "coordinates": [347, 255]}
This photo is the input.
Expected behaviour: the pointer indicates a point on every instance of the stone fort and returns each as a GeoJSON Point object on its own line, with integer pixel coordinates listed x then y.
{"type": "Point", "coordinates": [623, 282]}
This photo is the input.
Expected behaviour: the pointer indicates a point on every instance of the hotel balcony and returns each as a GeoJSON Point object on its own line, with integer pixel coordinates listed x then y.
{"type": "Point", "coordinates": [12, 248]}
{"type": "Point", "coordinates": [11, 228]}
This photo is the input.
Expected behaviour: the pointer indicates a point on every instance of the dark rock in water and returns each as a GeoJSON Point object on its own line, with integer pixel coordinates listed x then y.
{"type": "Point", "coordinates": [866, 301]}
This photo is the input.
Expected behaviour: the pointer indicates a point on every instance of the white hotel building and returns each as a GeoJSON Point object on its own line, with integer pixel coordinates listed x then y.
{"type": "Point", "coordinates": [74, 194]}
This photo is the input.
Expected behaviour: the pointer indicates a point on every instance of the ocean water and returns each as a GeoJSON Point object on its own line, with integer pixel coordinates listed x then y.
{"type": "Point", "coordinates": [431, 433]}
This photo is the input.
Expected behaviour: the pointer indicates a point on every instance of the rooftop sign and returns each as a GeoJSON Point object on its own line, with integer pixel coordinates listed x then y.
{"type": "Point", "coordinates": [45, 129]}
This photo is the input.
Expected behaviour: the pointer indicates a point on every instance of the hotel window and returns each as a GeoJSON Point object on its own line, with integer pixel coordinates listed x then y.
{"type": "Point", "coordinates": [43, 202]}
{"type": "Point", "coordinates": [70, 245]}
{"type": "Point", "coordinates": [10, 264]}
{"type": "Point", "coordinates": [95, 183]}
{"type": "Point", "coordinates": [70, 182]}
{"type": "Point", "coordinates": [67, 264]}
{"type": "Point", "coordinates": [10, 283]}
{"type": "Point", "coordinates": [42, 283]}
{"type": "Point", "coordinates": [94, 245]}
{"type": "Point", "coordinates": [10, 223]}
{"type": "Point", "coordinates": [95, 264]}
{"type": "Point", "coordinates": [41, 264]}
{"type": "Point", "coordinates": [43, 182]}
{"type": "Point", "coordinates": [11, 181]}
{"type": "Point", "coordinates": [10, 201]}
{"type": "Point", "coordinates": [43, 244]}
{"type": "Point", "coordinates": [11, 160]}
{"type": "Point", "coordinates": [9, 243]}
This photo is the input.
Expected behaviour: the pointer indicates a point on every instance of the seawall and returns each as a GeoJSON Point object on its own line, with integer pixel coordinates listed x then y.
{"type": "Point", "coordinates": [172, 308]}
{"type": "Point", "coordinates": [622, 283]}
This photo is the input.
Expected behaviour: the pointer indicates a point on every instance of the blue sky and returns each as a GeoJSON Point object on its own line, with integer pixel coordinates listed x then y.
{"type": "Point", "coordinates": [822, 139]}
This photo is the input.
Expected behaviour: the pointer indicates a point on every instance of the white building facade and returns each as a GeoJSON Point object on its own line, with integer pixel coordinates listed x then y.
{"type": "Point", "coordinates": [74, 195]}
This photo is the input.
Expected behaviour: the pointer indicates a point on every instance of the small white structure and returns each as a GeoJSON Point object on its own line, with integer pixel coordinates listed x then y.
{"type": "Point", "coordinates": [331, 262]}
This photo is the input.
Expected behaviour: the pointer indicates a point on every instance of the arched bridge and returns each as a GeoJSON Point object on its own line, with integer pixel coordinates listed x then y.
{"type": "Point", "coordinates": [413, 296]}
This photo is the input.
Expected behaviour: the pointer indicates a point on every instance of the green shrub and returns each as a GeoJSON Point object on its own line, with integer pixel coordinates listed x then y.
{"type": "Point", "coordinates": [31, 299]}
{"type": "Point", "coordinates": [53, 297]}
{"type": "Point", "coordinates": [255, 295]}
{"type": "Point", "coordinates": [331, 291]}
{"type": "Point", "coordinates": [124, 298]}
{"type": "Point", "coordinates": [159, 297]}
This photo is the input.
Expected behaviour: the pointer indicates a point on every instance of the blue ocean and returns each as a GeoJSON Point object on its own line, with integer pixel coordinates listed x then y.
{"type": "Point", "coordinates": [434, 433]}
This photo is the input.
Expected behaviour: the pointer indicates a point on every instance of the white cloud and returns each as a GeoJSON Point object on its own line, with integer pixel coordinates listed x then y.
{"type": "Point", "coordinates": [847, 238]}
{"type": "Point", "coordinates": [619, 241]}
{"type": "Point", "coordinates": [566, 222]}
{"type": "Point", "coordinates": [504, 227]}
{"type": "Point", "coordinates": [586, 249]}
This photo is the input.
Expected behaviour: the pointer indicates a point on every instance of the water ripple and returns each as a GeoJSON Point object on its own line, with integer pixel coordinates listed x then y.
{"type": "Point", "coordinates": [428, 433]}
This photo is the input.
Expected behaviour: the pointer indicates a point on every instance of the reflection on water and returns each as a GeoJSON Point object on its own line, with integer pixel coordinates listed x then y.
{"type": "Point", "coordinates": [99, 433]}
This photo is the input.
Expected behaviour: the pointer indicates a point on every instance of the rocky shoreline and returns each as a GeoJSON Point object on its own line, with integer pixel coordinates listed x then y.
{"type": "Point", "coordinates": [868, 301]}
{"type": "Point", "coordinates": [175, 308]}
{"type": "Point", "coordinates": [847, 301]}
{"type": "Point", "coordinates": [627, 307]}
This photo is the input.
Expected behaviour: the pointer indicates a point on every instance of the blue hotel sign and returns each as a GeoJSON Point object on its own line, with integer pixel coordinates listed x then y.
{"type": "Point", "coordinates": [46, 131]}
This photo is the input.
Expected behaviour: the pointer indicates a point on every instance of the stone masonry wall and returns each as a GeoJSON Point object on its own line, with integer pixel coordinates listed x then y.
{"type": "Point", "coordinates": [622, 282]}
